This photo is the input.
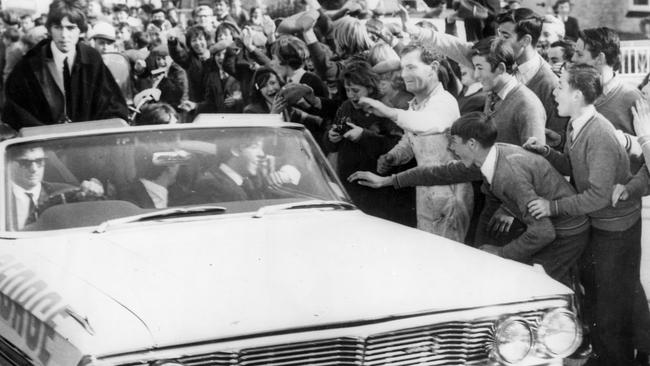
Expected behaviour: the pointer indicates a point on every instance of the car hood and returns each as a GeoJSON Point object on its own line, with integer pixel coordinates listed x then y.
{"type": "Point", "coordinates": [235, 275]}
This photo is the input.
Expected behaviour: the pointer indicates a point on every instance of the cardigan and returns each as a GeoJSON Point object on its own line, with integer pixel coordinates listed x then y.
{"type": "Point", "coordinates": [519, 116]}
{"type": "Point", "coordinates": [596, 162]}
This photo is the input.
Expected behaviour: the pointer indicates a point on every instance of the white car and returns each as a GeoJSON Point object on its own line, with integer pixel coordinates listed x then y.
{"type": "Point", "coordinates": [296, 275]}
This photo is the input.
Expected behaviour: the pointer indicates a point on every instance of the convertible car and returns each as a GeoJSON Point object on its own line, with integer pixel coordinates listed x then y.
{"type": "Point", "coordinates": [230, 241]}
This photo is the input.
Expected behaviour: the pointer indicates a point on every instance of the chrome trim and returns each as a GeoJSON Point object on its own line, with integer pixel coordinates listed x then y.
{"type": "Point", "coordinates": [360, 329]}
{"type": "Point", "coordinates": [541, 330]}
{"type": "Point", "coordinates": [501, 324]}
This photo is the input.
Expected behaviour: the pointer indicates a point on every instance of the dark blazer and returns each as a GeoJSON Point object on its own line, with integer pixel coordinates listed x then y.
{"type": "Point", "coordinates": [136, 193]}
{"type": "Point", "coordinates": [34, 91]}
{"type": "Point", "coordinates": [215, 186]}
{"type": "Point", "coordinates": [47, 189]}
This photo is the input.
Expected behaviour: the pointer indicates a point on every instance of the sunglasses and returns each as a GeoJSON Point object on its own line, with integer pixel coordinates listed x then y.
{"type": "Point", "coordinates": [27, 163]}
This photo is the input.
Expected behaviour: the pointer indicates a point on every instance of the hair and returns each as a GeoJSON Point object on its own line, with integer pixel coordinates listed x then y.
{"type": "Point", "coordinates": [159, 10]}
{"type": "Point", "coordinates": [10, 18]}
{"type": "Point", "coordinates": [11, 34]}
{"type": "Point", "coordinates": [258, 81]}
{"type": "Point", "coordinates": [560, 2]}
{"type": "Point", "coordinates": [194, 32]}
{"type": "Point", "coordinates": [585, 78]}
{"type": "Point", "coordinates": [141, 39]}
{"type": "Point", "coordinates": [226, 25]}
{"type": "Point", "coordinates": [381, 52]}
{"type": "Point", "coordinates": [27, 16]}
{"type": "Point", "coordinates": [557, 23]}
{"type": "Point", "coordinates": [291, 51]}
{"type": "Point", "coordinates": [567, 46]}
{"type": "Point", "coordinates": [156, 114]}
{"type": "Point", "coordinates": [120, 7]}
{"type": "Point", "coordinates": [447, 77]}
{"type": "Point", "coordinates": [496, 51]}
{"type": "Point", "coordinates": [360, 73]}
{"type": "Point", "coordinates": [477, 126]}
{"type": "Point", "coordinates": [527, 22]}
{"type": "Point", "coordinates": [71, 9]}
{"type": "Point", "coordinates": [428, 54]}
{"type": "Point", "coordinates": [199, 8]}
{"type": "Point", "coordinates": [350, 36]}
{"type": "Point", "coordinates": [603, 40]}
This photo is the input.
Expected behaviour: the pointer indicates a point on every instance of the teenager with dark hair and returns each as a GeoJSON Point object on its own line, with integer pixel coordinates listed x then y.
{"type": "Point", "coordinates": [192, 57]}
{"type": "Point", "coordinates": [289, 54]}
{"type": "Point", "coordinates": [596, 161]}
{"type": "Point", "coordinates": [521, 30]}
{"type": "Point", "coordinates": [61, 79]}
{"type": "Point", "coordinates": [266, 85]}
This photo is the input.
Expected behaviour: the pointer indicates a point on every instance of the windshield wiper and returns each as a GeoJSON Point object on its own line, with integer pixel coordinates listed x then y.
{"type": "Point", "coordinates": [338, 205]}
{"type": "Point", "coordinates": [162, 214]}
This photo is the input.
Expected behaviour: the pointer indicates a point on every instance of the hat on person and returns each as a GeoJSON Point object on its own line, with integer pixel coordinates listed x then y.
{"type": "Point", "coordinates": [299, 22]}
{"type": "Point", "coordinates": [385, 66]}
{"type": "Point", "coordinates": [470, 9]}
{"type": "Point", "coordinates": [160, 51]}
{"type": "Point", "coordinates": [293, 92]}
{"type": "Point", "coordinates": [103, 30]}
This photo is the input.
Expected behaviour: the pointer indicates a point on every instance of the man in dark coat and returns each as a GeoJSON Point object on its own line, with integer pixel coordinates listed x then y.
{"type": "Point", "coordinates": [61, 80]}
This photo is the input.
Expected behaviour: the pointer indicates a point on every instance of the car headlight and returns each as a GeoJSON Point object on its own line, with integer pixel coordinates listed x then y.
{"type": "Point", "coordinates": [559, 333]}
{"type": "Point", "coordinates": [513, 340]}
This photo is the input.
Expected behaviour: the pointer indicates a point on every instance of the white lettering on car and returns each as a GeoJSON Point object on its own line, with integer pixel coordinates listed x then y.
{"type": "Point", "coordinates": [37, 322]}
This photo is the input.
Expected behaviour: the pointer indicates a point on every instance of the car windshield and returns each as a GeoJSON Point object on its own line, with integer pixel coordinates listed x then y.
{"type": "Point", "coordinates": [85, 181]}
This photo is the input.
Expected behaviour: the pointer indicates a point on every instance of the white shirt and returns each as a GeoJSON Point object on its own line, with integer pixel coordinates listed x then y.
{"type": "Point", "coordinates": [158, 193]}
{"type": "Point", "coordinates": [579, 122]}
{"type": "Point", "coordinates": [297, 75]}
{"type": "Point", "coordinates": [232, 174]}
{"type": "Point", "coordinates": [432, 115]}
{"type": "Point", "coordinates": [60, 56]}
{"type": "Point", "coordinates": [527, 70]}
{"type": "Point", "coordinates": [22, 202]}
{"type": "Point", "coordinates": [507, 88]}
{"type": "Point", "coordinates": [489, 165]}
{"type": "Point", "coordinates": [473, 88]}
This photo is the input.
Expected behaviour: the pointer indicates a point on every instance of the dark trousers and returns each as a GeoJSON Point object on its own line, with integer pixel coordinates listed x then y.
{"type": "Point", "coordinates": [610, 271]}
{"type": "Point", "coordinates": [560, 258]}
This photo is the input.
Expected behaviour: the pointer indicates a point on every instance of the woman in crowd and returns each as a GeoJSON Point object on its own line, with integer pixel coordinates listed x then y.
{"type": "Point", "coordinates": [360, 138]}
{"type": "Point", "coordinates": [192, 59]}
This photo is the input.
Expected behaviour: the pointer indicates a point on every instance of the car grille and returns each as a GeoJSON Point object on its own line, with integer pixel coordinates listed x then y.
{"type": "Point", "coordinates": [446, 344]}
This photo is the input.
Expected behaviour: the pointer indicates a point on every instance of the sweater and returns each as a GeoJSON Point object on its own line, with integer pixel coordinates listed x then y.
{"type": "Point", "coordinates": [519, 116]}
{"type": "Point", "coordinates": [596, 162]}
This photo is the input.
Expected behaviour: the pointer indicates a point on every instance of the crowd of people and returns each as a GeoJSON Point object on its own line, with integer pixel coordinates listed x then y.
{"type": "Point", "coordinates": [521, 139]}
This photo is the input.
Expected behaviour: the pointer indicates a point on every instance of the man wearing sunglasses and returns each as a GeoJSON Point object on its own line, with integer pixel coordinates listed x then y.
{"type": "Point", "coordinates": [31, 194]}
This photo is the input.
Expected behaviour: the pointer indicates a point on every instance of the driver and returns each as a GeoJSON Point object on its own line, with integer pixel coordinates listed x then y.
{"type": "Point", "coordinates": [243, 171]}
{"type": "Point", "coordinates": [30, 194]}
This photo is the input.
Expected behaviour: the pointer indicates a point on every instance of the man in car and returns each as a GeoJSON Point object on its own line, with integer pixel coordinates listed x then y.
{"type": "Point", "coordinates": [243, 171]}
{"type": "Point", "coordinates": [30, 194]}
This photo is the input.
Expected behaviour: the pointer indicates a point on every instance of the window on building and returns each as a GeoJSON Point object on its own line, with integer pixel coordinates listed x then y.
{"type": "Point", "coordinates": [639, 5]}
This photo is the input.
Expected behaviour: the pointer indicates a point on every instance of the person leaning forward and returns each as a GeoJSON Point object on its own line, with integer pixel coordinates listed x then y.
{"type": "Point", "coordinates": [515, 177]}
{"type": "Point", "coordinates": [61, 79]}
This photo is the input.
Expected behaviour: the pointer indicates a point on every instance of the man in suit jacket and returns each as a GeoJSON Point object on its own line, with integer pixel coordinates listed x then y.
{"type": "Point", "coordinates": [31, 195]}
{"type": "Point", "coordinates": [515, 177]}
{"type": "Point", "coordinates": [243, 172]}
{"type": "Point", "coordinates": [61, 79]}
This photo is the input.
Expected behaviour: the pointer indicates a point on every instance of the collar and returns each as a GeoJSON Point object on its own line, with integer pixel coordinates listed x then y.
{"type": "Point", "coordinates": [22, 192]}
{"type": "Point", "coordinates": [297, 75]}
{"type": "Point", "coordinates": [415, 106]}
{"type": "Point", "coordinates": [238, 179]}
{"type": "Point", "coordinates": [59, 56]}
{"type": "Point", "coordinates": [507, 87]}
{"type": "Point", "coordinates": [157, 193]}
{"type": "Point", "coordinates": [527, 70]}
{"type": "Point", "coordinates": [489, 165]}
{"type": "Point", "coordinates": [473, 89]}
{"type": "Point", "coordinates": [611, 85]}
{"type": "Point", "coordinates": [580, 121]}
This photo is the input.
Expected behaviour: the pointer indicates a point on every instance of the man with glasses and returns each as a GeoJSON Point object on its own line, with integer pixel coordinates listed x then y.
{"type": "Point", "coordinates": [30, 194]}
